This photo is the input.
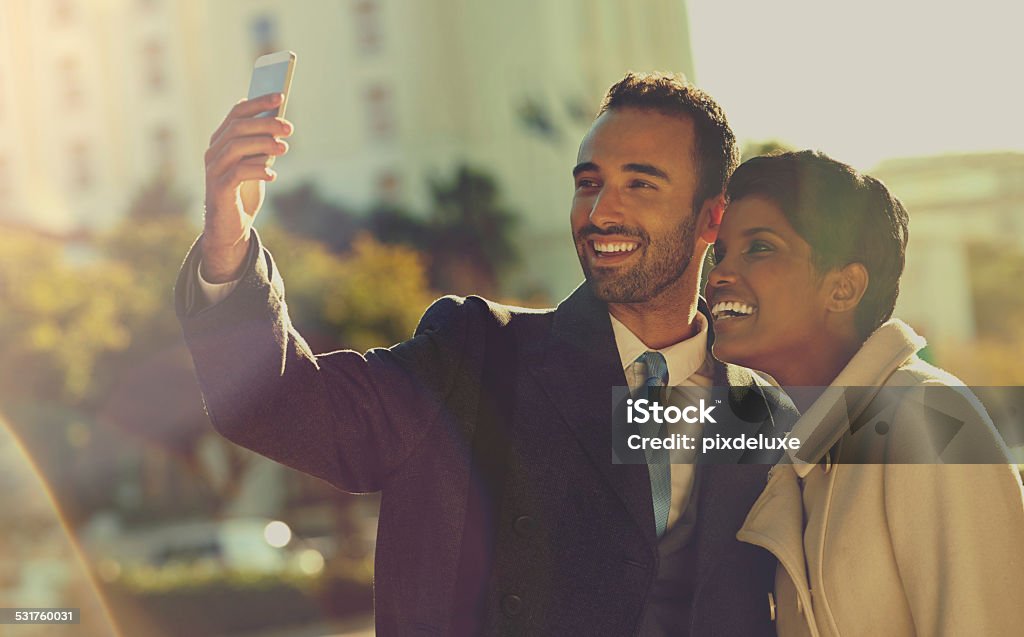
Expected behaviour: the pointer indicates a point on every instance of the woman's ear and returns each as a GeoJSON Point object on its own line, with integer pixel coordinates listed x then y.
{"type": "Point", "coordinates": [711, 218]}
{"type": "Point", "coordinates": [846, 287]}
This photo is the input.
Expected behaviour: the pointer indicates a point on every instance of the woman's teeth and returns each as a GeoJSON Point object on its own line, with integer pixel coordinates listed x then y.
{"type": "Point", "coordinates": [731, 309]}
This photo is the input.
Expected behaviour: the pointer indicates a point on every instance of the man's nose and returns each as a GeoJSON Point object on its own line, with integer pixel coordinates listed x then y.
{"type": "Point", "coordinates": [607, 208]}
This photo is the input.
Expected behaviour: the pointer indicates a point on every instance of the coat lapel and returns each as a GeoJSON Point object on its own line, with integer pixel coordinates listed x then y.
{"type": "Point", "coordinates": [580, 366]}
{"type": "Point", "coordinates": [732, 479]}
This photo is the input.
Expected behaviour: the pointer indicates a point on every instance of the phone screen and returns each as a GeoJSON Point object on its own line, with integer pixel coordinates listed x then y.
{"type": "Point", "coordinates": [268, 79]}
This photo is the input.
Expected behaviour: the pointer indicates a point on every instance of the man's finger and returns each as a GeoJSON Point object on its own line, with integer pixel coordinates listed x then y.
{"type": "Point", "coordinates": [239, 148]}
{"type": "Point", "coordinates": [268, 126]}
{"type": "Point", "coordinates": [246, 172]}
{"type": "Point", "coordinates": [255, 106]}
{"type": "Point", "coordinates": [248, 108]}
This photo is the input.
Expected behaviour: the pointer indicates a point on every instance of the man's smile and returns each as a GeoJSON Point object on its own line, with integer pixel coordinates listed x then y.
{"type": "Point", "coordinates": [608, 251]}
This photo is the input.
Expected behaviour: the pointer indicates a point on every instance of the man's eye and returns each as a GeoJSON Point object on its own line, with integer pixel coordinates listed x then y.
{"type": "Point", "coordinates": [641, 184]}
{"type": "Point", "coordinates": [586, 183]}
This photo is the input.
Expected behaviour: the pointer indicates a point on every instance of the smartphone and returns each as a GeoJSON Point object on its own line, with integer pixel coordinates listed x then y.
{"type": "Point", "coordinates": [272, 73]}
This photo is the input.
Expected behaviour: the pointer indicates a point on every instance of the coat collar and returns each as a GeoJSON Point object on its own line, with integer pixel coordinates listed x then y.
{"type": "Point", "coordinates": [579, 366]}
{"type": "Point", "coordinates": [829, 418]}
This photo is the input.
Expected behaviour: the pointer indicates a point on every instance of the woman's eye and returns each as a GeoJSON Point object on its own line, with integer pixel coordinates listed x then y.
{"type": "Point", "coordinates": [759, 246]}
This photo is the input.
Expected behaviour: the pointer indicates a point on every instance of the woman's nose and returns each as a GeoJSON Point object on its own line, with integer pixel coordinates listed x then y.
{"type": "Point", "coordinates": [721, 275]}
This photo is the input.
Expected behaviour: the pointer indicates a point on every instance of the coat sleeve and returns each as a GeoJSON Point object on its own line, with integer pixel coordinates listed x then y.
{"type": "Point", "coordinates": [347, 418]}
{"type": "Point", "coordinates": [957, 530]}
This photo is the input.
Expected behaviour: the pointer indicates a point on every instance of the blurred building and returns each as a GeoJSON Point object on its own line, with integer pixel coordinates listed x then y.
{"type": "Point", "coordinates": [96, 99]}
{"type": "Point", "coordinates": [101, 96]}
{"type": "Point", "coordinates": [388, 94]}
{"type": "Point", "coordinates": [954, 202]}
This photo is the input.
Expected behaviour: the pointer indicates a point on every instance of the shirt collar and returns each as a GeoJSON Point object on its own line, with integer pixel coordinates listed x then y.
{"type": "Point", "coordinates": [684, 358]}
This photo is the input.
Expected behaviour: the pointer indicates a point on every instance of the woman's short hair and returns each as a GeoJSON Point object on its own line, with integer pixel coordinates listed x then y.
{"type": "Point", "coordinates": [845, 216]}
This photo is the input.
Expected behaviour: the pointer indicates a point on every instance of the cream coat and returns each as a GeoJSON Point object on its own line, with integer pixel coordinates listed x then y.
{"type": "Point", "coordinates": [894, 549]}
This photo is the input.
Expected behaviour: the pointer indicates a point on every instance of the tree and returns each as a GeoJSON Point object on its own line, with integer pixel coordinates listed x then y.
{"type": "Point", "coordinates": [766, 147]}
{"type": "Point", "coordinates": [371, 297]}
{"type": "Point", "coordinates": [466, 236]}
{"type": "Point", "coordinates": [304, 212]}
{"type": "Point", "coordinates": [471, 238]}
{"type": "Point", "coordinates": [93, 364]}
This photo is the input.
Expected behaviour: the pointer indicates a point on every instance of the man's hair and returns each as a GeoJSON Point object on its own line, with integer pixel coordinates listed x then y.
{"type": "Point", "coordinates": [845, 216]}
{"type": "Point", "coordinates": [714, 149]}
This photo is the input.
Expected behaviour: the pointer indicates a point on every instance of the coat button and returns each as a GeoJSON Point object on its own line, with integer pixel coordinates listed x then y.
{"type": "Point", "coordinates": [827, 464]}
{"type": "Point", "coordinates": [511, 605]}
{"type": "Point", "coordinates": [771, 606]}
{"type": "Point", "coordinates": [525, 525]}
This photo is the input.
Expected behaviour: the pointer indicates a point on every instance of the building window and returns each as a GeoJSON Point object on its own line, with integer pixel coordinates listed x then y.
{"type": "Point", "coordinates": [81, 167]}
{"type": "Point", "coordinates": [263, 30]}
{"type": "Point", "coordinates": [153, 66]}
{"type": "Point", "coordinates": [163, 148]}
{"type": "Point", "coordinates": [63, 12]}
{"type": "Point", "coordinates": [380, 110]}
{"type": "Point", "coordinates": [388, 186]}
{"type": "Point", "coordinates": [368, 25]}
{"type": "Point", "coordinates": [67, 71]}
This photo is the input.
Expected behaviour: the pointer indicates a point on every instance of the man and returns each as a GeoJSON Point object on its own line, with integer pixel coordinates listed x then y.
{"type": "Point", "coordinates": [489, 433]}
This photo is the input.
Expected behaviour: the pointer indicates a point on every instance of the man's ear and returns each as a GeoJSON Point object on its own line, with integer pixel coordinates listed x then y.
{"type": "Point", "coordinates": [710, 218]}
{"type": "Point", "coordinates": [846, 287]}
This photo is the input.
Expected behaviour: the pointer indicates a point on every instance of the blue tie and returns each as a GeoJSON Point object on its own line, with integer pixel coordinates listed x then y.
{"type": "Point", "coordinates": [655, 370]}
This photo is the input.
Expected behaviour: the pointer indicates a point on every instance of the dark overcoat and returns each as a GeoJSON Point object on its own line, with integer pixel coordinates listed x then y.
{"type": "Point", "coordinates": [525, 529]}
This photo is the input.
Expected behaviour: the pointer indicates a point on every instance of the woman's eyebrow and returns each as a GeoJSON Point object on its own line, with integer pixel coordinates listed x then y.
{"type": "Point", "coordinates": [759, 229]}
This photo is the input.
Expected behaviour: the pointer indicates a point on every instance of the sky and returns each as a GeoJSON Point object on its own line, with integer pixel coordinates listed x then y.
{"type": "Point", "coordinates": [866, 80]}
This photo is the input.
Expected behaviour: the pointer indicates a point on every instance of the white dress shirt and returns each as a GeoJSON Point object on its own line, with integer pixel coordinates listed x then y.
{"type": "Point", "coordinates": [690, 372]}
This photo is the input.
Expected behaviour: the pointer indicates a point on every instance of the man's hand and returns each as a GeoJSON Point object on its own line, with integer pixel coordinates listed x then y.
{"type": "Point", "coordinates": [236, 176]}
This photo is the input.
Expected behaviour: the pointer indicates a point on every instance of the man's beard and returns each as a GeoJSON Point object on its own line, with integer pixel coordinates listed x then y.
{"type": "Point", "coordinates": [661, 263]}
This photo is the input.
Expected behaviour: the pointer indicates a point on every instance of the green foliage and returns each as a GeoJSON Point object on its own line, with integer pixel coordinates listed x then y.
{"type": "Point", "coordinates": [994, 356]}
{"type": "Point", "coordinates": [998, 300]}
{"type": "Point", "coordinates": [767, 147]}
{"type": "Point", "coordinates": [304, 212]}
{"type": "Point", "coordinates": [59, 318]}
{"type": "Point", "coordinates": [89, 342]}
{"type": "Point", "coordinates": [156, 200]}
{"type": "Point", "coordinates": [466, 234]}
{"type": "Point", "coordinates": [371, 297]}
{"type": "Point", "coordinates": [471, 228]}
{"type": "Point", "coordinates": [208, 573]}
{"type": "Point", "coordinates": [76, 316]}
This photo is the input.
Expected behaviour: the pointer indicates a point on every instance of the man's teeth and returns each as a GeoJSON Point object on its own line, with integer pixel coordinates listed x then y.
{"type": "Point", "coordinates": [728, 309]}
{"type": "Point", "coordinates": [614, 247]}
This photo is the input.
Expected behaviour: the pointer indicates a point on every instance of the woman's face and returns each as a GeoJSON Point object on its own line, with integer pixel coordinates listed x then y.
{"type": "Point", "coordinates": [767, 300]}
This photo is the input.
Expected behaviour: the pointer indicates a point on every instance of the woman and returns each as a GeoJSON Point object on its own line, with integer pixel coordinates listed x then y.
{"type": "Point", "coordinates": [872, 534]}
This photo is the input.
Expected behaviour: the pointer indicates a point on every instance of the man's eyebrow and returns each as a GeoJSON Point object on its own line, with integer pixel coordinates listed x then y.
{"type": "Point", "coordinates": [582, 167]}
{"type": "Point", "coordinates": [646, 169]}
